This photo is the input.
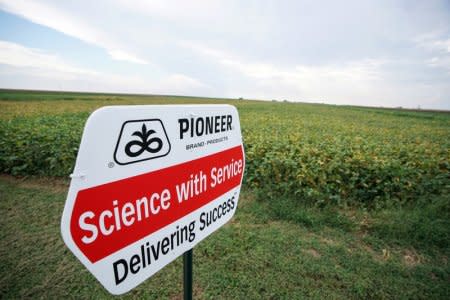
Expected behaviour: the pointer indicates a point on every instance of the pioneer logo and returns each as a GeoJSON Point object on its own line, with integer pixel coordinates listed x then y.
{"type": "Point", "coordinates": [200, 126]}
{"type": "Point", "coordinates": [141, 140]}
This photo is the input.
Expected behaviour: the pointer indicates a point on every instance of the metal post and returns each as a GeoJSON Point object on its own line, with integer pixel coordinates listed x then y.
{"type": "Point", "coordinates": [187, 271]}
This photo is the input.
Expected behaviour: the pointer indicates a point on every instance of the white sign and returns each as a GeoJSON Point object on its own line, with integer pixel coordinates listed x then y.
{"type": "Point", "coordinates": [150, 182]}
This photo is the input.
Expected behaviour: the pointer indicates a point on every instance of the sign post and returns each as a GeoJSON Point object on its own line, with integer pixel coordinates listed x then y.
{"type": "Point", "coordinates": [187, 274]}
{"type": "Point", "coordinates": [151, 182]}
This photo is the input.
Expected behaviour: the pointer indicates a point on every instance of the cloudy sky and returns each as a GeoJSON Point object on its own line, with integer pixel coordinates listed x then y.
{"type": "Point", "coordinates": [376, 53]}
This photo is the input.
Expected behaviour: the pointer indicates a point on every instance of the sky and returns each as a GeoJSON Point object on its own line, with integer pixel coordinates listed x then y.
{"type": "Point", "coordinates": [371, 53]}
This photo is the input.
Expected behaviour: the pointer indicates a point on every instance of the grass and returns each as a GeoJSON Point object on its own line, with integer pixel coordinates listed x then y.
{"type": "Point", "coordinates": [316, 253]}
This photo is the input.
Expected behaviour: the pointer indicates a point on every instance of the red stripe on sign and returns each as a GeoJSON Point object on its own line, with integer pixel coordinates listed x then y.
{"type": "Point", "coordinates": [109, 217]}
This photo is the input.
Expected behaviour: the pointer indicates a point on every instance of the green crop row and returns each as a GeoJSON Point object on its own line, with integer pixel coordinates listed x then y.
{"type": "Point", "coordinates": [348, 158]}
{"type": "Point", "coordinates": [316, 154]}
{"type": "Point", "coordinates": [44, 145]}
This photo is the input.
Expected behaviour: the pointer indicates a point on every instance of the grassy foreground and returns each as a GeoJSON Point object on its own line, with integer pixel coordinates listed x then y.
{"type": "Point", "coordinates": [322, 253]}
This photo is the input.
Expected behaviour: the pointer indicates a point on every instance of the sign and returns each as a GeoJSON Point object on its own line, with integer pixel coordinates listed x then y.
{"type": "Point", "coordinates": [150, 182]}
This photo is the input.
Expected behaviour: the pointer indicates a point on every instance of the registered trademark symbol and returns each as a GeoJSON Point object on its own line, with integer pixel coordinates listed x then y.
{"type": "Point", "coordinates": [111, 164]}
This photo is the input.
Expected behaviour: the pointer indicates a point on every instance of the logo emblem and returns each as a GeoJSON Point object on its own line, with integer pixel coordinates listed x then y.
{"type": "Point", "coordinates": [141, 140]}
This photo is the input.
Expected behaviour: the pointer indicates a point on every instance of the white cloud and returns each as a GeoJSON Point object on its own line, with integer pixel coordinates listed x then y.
{"type": "Point", "coordinates": [55, 73]}
{"type": "Point", "coordinates": [367, 81]}
{"type": "Point", "coordinates": [440, 62]}
{"type": "Point", "coordinates": [176, 10]}
{"type": "Point", "coordinates": [341, 83]}
{"type": "Point", "coordinates": [437, 47]}
{"type": "Point", "coordinates": [442, 44]}
{"type": "Point", "coordinates": [180, 84]}
{"type": "Point", "coordinates": [19, 56]}
{"type": "Point", "coordinates": [433, 41]}
{"type": "Point", "coordinates": [121, 55]}
{"type": "Point", "coordinates": [63, 21]}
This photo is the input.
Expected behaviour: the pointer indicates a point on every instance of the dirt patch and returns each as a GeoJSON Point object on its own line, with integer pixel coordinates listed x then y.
{"type": "Point", "coordinates": [411, 258]}
{"type": "Point", "coordinates": [380, 257]}
{"type": "Point", "coordinates": [312, 252]}
{"type": "Point", "coordinates": [328, 241]}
